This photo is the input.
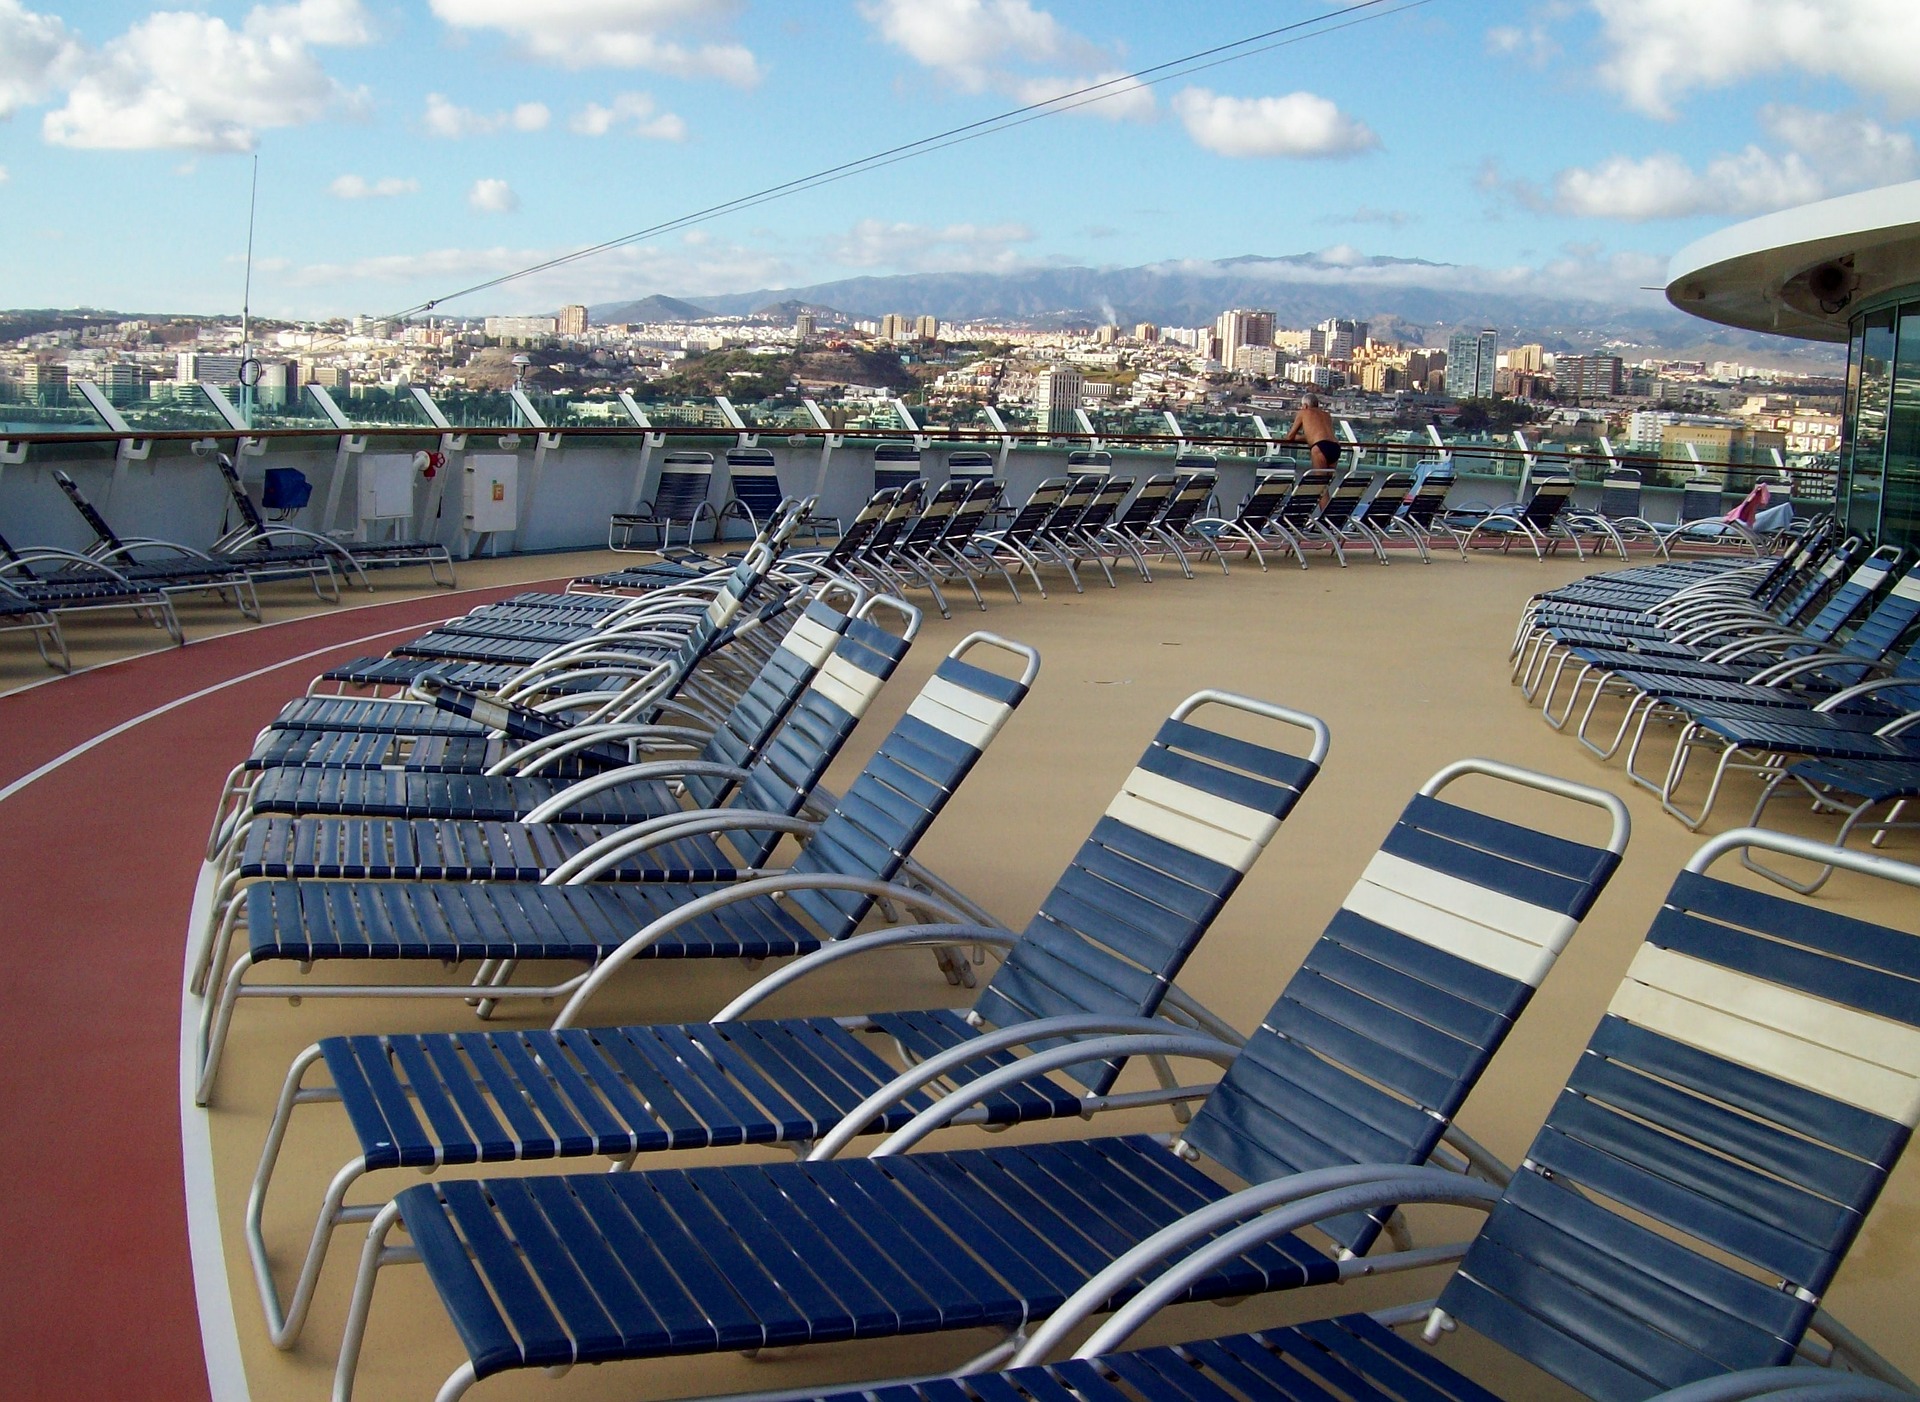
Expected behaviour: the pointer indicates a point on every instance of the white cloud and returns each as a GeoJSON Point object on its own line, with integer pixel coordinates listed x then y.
{"type": "Point", "coordinates": [35, 51]}
{"type": "Point", "coordinates": [1827, 153]}
{"type": "Point", "coordinates": [1660, 51]}
{"type": "Point", "coordinates": [493, 197]}
{"type": "Point", "coordinates": [183, 80]}
{"type": "Point", "coordinates": [1299, 125]}
{"type": "Point", "coordinates": [358, 187]}
{"type": "Point", "coordinates": [906, 247]}
{"type": "Point", "coordinates": [611, 34]}
{"type": "Point", "coordinates": [634, 112]}
{"type": "Point", "coordinates": [981, 45]}
{"type": "Point", "coordinates": [452, 121]}
{"type": "Point", "coordinates": [4, 177]}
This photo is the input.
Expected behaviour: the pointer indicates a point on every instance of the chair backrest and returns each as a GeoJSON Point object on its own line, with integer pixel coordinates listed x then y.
{"type": "Point", "coordinates": [1113, 491]}
{"type": "Point", "coordinates": [1348, 497]}
{"type": "Point", "coordinates": [1269, 494]}
{"type": "Point", "coordinates": [876, 823]}
{"type": "Point", "coordinates": [1149, 502]}
{"type": "Point", "coordinates": [1716, 1149]}
{"type": "Point", "coordinates": [237, 490]}
{"type": "Point", "coordinates": [753, 720]}
{"type": "Point", "coordinates": [1814, 587]}
{"type": "Point", "coordinates": [103, 533]}
{"type": "Point", "coordinates": [1196, 462]}
{"type": "Point", "coordinates": [972, 513]}
{"type": "Point", "coordinates": [860, 530]}
{"type": "Point", "coordinates": [811, 736]}
{"type": "Point", "coordinates": [1620, 493]}
{"type": "Point", "coordinates": [1308, 485]}
{"type": "Point", "coordinates": [1891, 617]}
{"type": "Point", "coordinates": [1398, 1007]}
{"type": "Point", "coordinates": [1094, 462]}
{"type": "Point", "coordinates": [1195, 488]}
{"type": "Point", "coordinates": [937, 516]}
{"type": "Point", "coordinates": [971, 463]}
{"type": "Point", "coordinates": [1550, 496]}
{"type": "Point", "coordinates": [895, 464]}
{"type": "Point", "coordinates": [1039, 506]}
{"type": "Point", "coordinates": [1175, 843]}
{"type": "Point", "coordinates": [685, 479]}
{"type": "Point", "coordinates": [1815, 545]}
{"type": "Point", "coordinates": [1073, 505]}
{"type": "Point", "coordinates": [1854, 596]}
{"type": "Point", "coordinates": [755, 481]}
{"type": "Point", "coordinates": [1429, 499]}
{"type": "Point", "coordinates": [1700, 499]}
{"type": "Point", "coordinates": [906, 501]}
{"type": "Point", "coordinates": [1395, 490]}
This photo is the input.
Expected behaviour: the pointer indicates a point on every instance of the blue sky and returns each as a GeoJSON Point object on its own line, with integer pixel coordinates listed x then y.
{"type": "Point", "coordinates": [410, 147]}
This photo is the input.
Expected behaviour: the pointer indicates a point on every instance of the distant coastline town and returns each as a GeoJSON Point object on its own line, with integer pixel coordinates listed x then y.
{"type": "Point", "coordinates": [1126, 378]}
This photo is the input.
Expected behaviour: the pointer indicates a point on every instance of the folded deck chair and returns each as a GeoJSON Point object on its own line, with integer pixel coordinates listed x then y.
{"type": "Point", "coordinates": [1368, 1054]}
{"type": "Point", "coordinates": [1100, 955]}
{"type": "Point", "coordinates": [848, 860]}
{"type": "Point", "coordinates": [1539, 520]}
{"type": "Point", "coordinates": [1692, 1193]}
{"type": "Point", "coordinates": [855, 654]}
{"type": "Point", "coordinates": [608, 812]}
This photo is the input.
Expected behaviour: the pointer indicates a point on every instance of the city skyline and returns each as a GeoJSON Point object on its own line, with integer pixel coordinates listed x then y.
{"type": "Point", "coordinates": [408, 149]}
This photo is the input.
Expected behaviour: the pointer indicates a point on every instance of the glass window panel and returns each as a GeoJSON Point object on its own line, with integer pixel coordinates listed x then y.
{"type": "Point", "coordinates": [1870, 423]}
{"type": "Point", "coordinates": [1900, 506]}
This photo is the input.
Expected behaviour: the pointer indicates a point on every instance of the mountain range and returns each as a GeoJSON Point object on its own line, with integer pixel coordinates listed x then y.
{"type": "Point", "coordinates": [1406, 299]}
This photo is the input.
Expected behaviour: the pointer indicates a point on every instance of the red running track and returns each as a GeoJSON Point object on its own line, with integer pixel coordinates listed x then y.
{"type": "Point", "coordinates": [98, 860]}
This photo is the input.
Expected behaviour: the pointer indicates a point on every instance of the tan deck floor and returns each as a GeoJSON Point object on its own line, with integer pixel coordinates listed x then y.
{"type": "Point", "coordinates": [1408, 666]}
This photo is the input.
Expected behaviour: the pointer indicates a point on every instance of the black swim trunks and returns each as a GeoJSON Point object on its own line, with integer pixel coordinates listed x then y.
{"type": "Point", "coordinates": [1329, 450]}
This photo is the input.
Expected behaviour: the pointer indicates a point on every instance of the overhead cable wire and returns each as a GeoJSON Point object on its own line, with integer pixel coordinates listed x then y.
{"type": "Point", "coordinates": [1348, 16]}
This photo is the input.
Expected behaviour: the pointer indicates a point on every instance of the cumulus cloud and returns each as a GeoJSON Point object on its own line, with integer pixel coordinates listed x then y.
{"type": "Point", "coordinates": [1660, 51]}
{"type": "Point", "coordinates": [1010, 47]}
{"type": "Point", "coordinates": [1826, 153]}
{"type": "Point", "coordinates": [358, 187]}
{"type": "Point", "coordinates": [632, 112]}
{"type": "Point", "coordinates": [450, 120]}
{"type": "Point", "coordinates": [1300, 125]}
{"type": "Point", "coordinates": [151, 87]}
{"type": "Point", "coordinates": [36, 52]}
{"type": "Point", "coordinates": [611, 34]}
{"type": "Point", "coordinates": [907, 247]}
{"type": "Point", "coordinates": [491, 196]}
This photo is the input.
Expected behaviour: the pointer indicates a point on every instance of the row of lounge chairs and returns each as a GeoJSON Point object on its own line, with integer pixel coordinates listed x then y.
{"type": "Point", "coordinates": [1804, 672]}
{"type": "Point", "coordinates": [41, 585]}
{"type": "Point", "coordinates": [1737, 1111]}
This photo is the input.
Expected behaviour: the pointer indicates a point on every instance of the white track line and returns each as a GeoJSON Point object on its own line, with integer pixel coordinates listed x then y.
{"type": "Point", "coordinates": [85, 745]}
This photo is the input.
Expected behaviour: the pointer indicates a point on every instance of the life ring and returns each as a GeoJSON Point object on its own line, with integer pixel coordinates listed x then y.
{"type": "Point", "coordinates": [250, 372]}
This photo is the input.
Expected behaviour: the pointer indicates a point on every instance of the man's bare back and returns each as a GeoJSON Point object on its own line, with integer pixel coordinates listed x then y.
{"type": "Point", "coordinates": [1314, 426]}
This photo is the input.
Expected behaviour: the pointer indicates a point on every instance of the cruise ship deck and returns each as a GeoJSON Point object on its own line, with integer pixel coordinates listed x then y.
{"type": "Point", "coordinates": [122, 1230]}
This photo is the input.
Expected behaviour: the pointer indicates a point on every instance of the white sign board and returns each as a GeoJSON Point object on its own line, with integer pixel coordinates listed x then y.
{"type": "Point", "coordinates": [492, 500]}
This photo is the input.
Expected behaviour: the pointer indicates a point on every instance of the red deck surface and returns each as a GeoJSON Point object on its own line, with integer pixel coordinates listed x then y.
{"type": "Point", "coordinates": [98, 861]}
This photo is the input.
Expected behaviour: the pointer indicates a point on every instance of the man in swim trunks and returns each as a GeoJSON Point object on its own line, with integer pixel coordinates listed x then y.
{"type": "Point", "coordinates": [1313, 425]}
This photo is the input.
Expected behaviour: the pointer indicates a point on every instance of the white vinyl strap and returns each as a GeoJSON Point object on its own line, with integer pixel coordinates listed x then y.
{"type": "Point", "coordinates": [1192, 819]}
{"type": "Point", "coordinates": [725, 604]}
{"type": "Point", "coordinates": [1908, 588]}
{"type": "Point", "coordinates": [1489, 928]}
{"type": "Point", "coordinates": [966, 715]}
{"type": "Point", "coordinates": [811, 641]}
{"type": "Point", "coordinates": [1868, 1061]}
{"type": "Point", "coordinates": [850, 688]}
{"type": "Point", "coordinates": [1869, 575]}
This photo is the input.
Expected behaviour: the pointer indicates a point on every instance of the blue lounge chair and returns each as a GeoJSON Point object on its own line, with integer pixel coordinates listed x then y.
{"type": "Point", "coordinates": [1672, 1229]}
{"type": "Point", "coordinates": [895, 465]}
{"type": "Point", "coordinates": [1100, 955]}
{"type": "Point", "coordinates": [1368, 1054]}
{"type": "Point", "coordinates": [1249, 523]}
{"type": "Point", "coordinates": [1539, 521]}
{"type": "Point", "coordinates": [849, 859]}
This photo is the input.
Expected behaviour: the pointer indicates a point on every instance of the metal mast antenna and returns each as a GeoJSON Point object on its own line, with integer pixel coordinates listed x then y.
{"type": "Point", "coordinates": [249, 367]}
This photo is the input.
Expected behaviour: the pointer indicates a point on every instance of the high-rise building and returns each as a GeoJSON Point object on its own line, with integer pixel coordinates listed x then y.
{"type": "Point", "coordinates": [927, 328]}
{"type": "Point", "coordinates": [192, 366]}
{"type": "Point", "coordinates": [1106, 335]}
{"type": "Point", "coordinates": [279, 382]}
{"type": "Point", "coordinates": [1336, 337]}
{"type": "Point", "coordinates": [1471, 358]}
{"type": "Point", "coordinates": [573, 320]}
{"type": "Point", "coordinates": [1146, 331]}
{"type": "Point", "coordinates": [1242, 327]}
{"type": "Point", "coordinates": [894, 327]}
{"type": "Point", "coordinates": [43, 382]}
{"type": "Point", "coordinates": [1056, 394]}
{"type": "Point", "coordinates": [522, 329]}
{"type": "Point", "coordinates": [803, 327]}
{"type": "Point", "coordinates": [1256, 360]}
{"type": "Point", "coordinates": [1588, 376]}
{"type": "Point", "coordinates": [1527, 360]}
{"type": "Point", "coordinates": [123, 382]}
